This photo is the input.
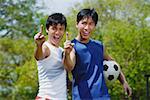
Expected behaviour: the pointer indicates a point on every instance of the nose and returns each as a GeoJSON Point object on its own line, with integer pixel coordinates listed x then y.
{"type": "Point", "coordinates": [57, 31]}
{"type": "Point", "coordinates": [86, 27]}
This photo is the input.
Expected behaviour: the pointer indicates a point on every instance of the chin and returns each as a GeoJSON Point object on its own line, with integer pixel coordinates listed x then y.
{"type": "Point", "coordinates": [55, 43]}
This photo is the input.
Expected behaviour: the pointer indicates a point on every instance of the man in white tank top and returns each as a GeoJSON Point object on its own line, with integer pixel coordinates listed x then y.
{"type": "Point", "coordinates": [51, 72]}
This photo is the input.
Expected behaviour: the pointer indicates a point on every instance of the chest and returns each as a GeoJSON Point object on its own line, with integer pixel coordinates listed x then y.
{"type": "Point", "coordinates": [89, 53]}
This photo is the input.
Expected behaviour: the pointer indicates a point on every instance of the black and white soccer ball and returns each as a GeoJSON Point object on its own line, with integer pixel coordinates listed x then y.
{"type": "Point", "coordinates": [111, 71]}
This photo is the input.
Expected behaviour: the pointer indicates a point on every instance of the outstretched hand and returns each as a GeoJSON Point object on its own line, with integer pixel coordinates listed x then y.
{"type": "Point", "coordinates": [127, 89]}
{"type": "Point", "coordinates": [68, 46]}
{"type": "Point", "coordinates": [39, 38]}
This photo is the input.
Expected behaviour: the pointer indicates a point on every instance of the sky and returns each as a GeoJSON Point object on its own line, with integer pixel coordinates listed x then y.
{"type": "Point", "coordinates": [62, 6]}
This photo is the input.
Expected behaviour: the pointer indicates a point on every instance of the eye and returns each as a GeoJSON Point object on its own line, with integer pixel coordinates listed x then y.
{"type": "Point", "coordinates": [61, 28]}
{"type": "Point", "coordinates": [92, 23]}
{"type": "Point", "coordinates": [54, 28]}
{"type": "Point", "coordinates": [84, 23]}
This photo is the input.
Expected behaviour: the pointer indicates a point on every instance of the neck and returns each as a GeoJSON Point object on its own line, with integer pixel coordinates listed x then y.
{"type": "Point", "coordinates": [56, 45]}
{"type": "Point", "coordinates": [82, 40]}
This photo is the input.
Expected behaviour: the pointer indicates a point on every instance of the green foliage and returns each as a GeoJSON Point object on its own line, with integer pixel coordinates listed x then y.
{"type": "Point", "coordinates": [26, 86]}
{"type": "Point", "coordinates": [18, 18]}
{"type": "Point", "coordinates": [18, 74]}
{"type": "Point", "coordinates": [129, 45]}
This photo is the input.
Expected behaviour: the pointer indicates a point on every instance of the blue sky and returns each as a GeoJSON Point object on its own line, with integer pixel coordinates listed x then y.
{"type": "Point", "coordinates": [62, 6]}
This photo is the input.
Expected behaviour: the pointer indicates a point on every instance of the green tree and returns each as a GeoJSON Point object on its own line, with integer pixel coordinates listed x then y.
{"type": "Point", "coordinates": [18, 74]}
{"type": "Point", "coordinates": [18, 18]}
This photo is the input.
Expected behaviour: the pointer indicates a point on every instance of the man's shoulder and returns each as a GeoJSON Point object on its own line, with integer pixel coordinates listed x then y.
{"type": "Point", "coordinates": [96, 42]}
{"type": "Point", "coordinates": [74, 40]}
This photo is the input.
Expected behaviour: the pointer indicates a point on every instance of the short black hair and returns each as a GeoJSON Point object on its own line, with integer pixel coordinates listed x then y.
{"type": "Point", "coordinates": [87, 13]}
{"type": "Point", "coordinates": [56, 18]}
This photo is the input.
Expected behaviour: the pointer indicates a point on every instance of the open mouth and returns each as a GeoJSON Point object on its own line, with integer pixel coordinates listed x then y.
{"type": "Point", "coordinates": [56, 37]}
{"type": "Point", "coordinates": [55, 40]}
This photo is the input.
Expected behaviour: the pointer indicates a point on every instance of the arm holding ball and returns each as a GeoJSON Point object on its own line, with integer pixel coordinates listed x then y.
{"type": "Point", "coordinates": [121, 76]}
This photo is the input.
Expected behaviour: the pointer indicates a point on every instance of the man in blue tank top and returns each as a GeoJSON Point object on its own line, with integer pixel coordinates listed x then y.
{"type": "Point", "coordinates": [85, 60]}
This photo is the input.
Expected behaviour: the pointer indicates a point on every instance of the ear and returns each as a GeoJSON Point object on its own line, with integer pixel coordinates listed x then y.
{"type": "Point", "coordinates": [76, 25]}
{"type": "Point", "coordinates": [46, 31]}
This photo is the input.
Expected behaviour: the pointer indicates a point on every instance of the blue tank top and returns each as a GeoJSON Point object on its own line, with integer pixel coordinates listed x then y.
{"type": "Point", "coordinates": [88, 79]}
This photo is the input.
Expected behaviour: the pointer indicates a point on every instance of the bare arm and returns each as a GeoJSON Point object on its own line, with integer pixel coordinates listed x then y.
{"type": "Point", "coordinates": [69, 60]}
{"type": "Point", "coordinates": [40, 51]}
{"type": "Point", "coordinates": [69, 55]}
{"type": "Point", "coordinates": [121, 77]}
{"type": "Point", "coordinates": [125, 84]}
{"type": "Point", "coordinates": [106, 55]}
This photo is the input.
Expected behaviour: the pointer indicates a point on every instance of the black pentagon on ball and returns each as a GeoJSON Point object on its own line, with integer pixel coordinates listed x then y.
{"type": "Point", "coordinates": [105, 67]}
{"type": "Point", "coordinates": [110, 77]}
{"type": "Point", "coordinates": [116, 67]}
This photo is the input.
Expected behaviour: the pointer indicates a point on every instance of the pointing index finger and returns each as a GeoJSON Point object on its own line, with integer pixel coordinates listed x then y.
{"type": "Point", "coordinates": [67, 36]}
{"type": "Point", "coordinates": [41, 28]}
{"type": "Point", "coordinates": [67, 39]}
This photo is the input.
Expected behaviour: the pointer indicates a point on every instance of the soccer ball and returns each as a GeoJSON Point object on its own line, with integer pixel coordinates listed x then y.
{"type": "Point", "coordinates": [111, 71]}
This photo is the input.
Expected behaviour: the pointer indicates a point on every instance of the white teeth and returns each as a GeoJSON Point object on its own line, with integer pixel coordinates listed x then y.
{"type": "Point", "coordinates": [56, 37]}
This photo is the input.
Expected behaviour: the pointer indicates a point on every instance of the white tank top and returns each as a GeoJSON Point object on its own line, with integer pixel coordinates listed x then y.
{"type": "Point", "coordinates": [52, 75]}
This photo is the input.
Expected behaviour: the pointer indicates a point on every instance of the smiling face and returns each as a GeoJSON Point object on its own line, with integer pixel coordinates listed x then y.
{"type": "Point", "coordinates": [55, 34]}
{"type": "Point", "coordinates": [85, 28]}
